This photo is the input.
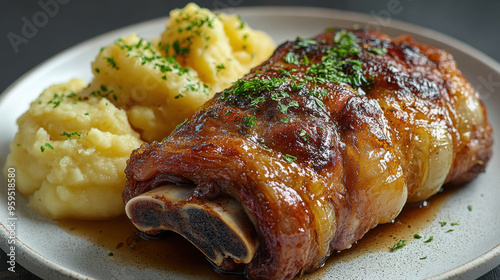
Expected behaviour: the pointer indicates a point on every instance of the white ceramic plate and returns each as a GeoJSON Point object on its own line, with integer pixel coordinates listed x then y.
{"type": "Point", "coordinates": [468, 252]}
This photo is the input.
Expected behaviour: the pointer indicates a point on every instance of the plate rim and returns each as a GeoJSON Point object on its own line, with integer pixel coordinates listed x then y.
{"type": "Point", "coordinates": [53, 269]}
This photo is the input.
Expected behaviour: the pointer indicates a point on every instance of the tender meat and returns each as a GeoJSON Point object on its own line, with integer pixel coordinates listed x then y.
{"type": "Point", "coordinates": [328, 138]}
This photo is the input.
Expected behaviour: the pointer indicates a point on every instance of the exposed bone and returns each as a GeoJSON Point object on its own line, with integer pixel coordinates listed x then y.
{"type": "Point", "coordinates": [219, 228]}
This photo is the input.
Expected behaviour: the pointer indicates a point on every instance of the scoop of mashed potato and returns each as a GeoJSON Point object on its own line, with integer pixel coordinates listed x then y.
{"type": "Point", "coordinates": [70, 154]}
{"type": "Point", "coordinates": [221, 48]}
{"type": "Point", "coordinates": [161, 82]}
{"type": "Point", "coordinates": [73, 143]}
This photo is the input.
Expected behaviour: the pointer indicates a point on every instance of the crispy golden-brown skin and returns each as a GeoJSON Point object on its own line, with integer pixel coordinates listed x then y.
{"type": "Point", "coordinates": [359, 158]}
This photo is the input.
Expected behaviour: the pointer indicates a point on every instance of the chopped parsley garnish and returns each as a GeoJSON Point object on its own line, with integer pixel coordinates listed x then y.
{"type": "Point", "coordinates": [283, 108]}
{"type": "Point", "coordinates": [292, 58]}
{"type": "Point", "coordinates": [249, 120]}
{"type": "Point", "coordinates": [289, 158]}
{"type": "Point", "coordinates": [71, 135]}
{"type": "Point", "coordinates": [443, 223]}
{"type": "Point", "coordinates": [455, 223]}
{"type": "Point", "coordinates": [423, 258]}
{"type": "Point", "coordinates": [220, 67]}
{"type": "Point", "coordinates": [304, 43]}
{"type": "Point", "coordinates": [255, 102]}
{"type": "Point", "coordinates": [304, 135]}
{"type": "Point", "coordinates": [450, 230]}
{"type": "Point", "coordinates": [179, 50]}
{"type": "Point", "coordinates": [398, 245]}
{"type": "Point", "coordinates": [103, 92]}
{"type": "Point", "coordinates": [42, 148]}
{"type": "Point", "coordinates": [469, 207]}
{"type": "Point", "coordinates": [193, 25]}
{"type": "Point", "coordinates": [379, 51]}
{"type": "Point", "coordinates": [417, 236]}
{"type": "Point", "coordinates": [111, 61]}
{"type": "Point", "coordinates": [58, 98]}
{"type": "Point", "coordinates": [146, 53]}
{"type": "Point", "coordinates": [429, 239]}
{"type": "Point", "coordinates": [181, 124]}
{"type": "Point", "coordinates": [340, 63]}
{"type": "Point", "coordinates": [242, 23]}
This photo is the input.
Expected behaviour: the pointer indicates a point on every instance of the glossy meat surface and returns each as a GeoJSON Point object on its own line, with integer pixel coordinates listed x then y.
{"type": "Point", "coordinates": [325, 140]}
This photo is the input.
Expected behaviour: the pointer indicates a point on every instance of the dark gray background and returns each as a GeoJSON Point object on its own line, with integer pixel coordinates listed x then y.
{"type": "Point", "coordinates": [476, 23]}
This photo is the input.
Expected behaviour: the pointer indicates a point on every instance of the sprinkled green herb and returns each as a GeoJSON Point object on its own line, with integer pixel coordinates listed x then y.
{"type": "Point", "coordinates": [285, 120]}
{"type": "Point", "coordinates": [443, 223]}
{"type": "Point", "coordinates": [304, 43]}
{"type": "Point", "coordinates": [450, 230]}
{"type": "Point", "coordinates": [111, 61]}
{"type": "Point", "coordinates": [195, 28]}
{"type": "Point", "coordinates": [423, 258]}
{"type": "Point", "coordinates": [469, 207]}
{"type": "Point", "coordinates": [292, 58]}
{"type": "Point", "coordinates": [455, 223]}
{"type": "Point", "coordinates": [283, 108]}
{"type": "Point", "coordinates": [220, 67]}
{"type": "Point", "coordinates": [180, 50]}
{"type": "Point", "coordinates": [304, 135]}
{"type": "Point", "coordinates": [289, 158]}
{"type": "Point", "coordinates": [97, 70]}
{"type": "Point", "coordinates": [255, 101]}
{"type": "Point", "coordinates": [339, 64]}
{"type": "Point", "coordinates": [181, 124]}
{"type": "Point", "coordinates": [86, 114]}
{"type": "Point", "coordinates": [242, 23]}
{"type": "Point", "coordinates": [42, 148]}
{"type": "Point", "coordinates": [246, 89]}
{"type": "Point", "coordinates": [429, 239]}
{"type": "Point", "coordinates": [249, 120]}
{"type": "Point", "coordinates": [110, 254]}
{"type": "Point", "coordinates": [56, 100]}
{"type": "Point", "coordinates": [71, 135]}
{"type": "Point", "coordinates": [398, 245]}
{"type": "Point", "coordinates": [417, 236]}
{"type": "Point", "coordinates": [379, 51]}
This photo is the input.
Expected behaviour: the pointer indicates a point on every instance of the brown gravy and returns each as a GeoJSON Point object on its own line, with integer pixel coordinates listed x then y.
{"type": "Point", "coordinates": [171, 252]}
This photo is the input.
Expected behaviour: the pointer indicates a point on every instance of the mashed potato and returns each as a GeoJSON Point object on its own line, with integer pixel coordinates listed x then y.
{"type": "Point", "coordinates": [220, 48]}
{"type": "Point", "coordinates": [72, 145]}
{"type": "Point", "coordinates": [160, 83]}
{"type": "Point", "coordinates": [70, 154]}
